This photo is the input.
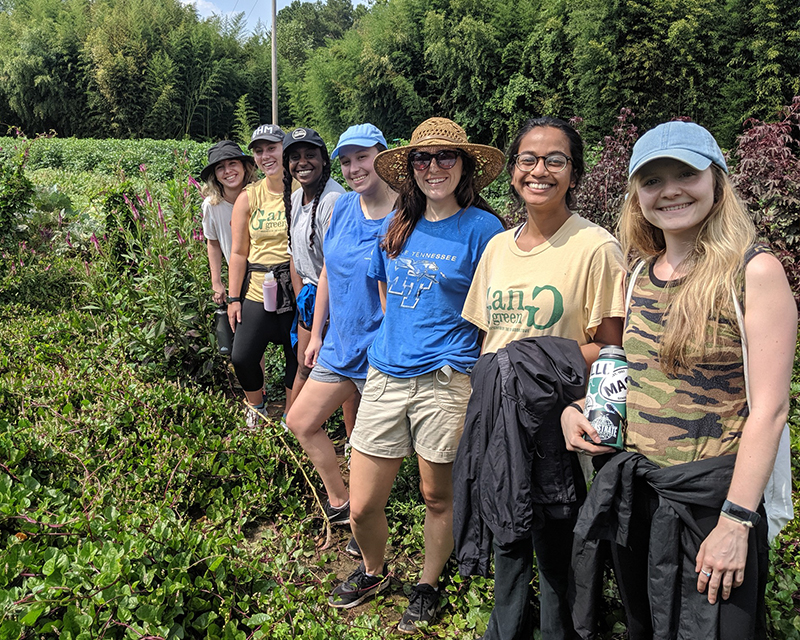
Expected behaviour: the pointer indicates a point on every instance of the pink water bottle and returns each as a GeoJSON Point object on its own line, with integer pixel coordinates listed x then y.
{"type": "Point", "coordinates": [270, 289]}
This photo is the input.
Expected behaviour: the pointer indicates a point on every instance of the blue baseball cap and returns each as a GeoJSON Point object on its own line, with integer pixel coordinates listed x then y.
{"type": "Point", "coordinates": [684, 141]}
{"type": "Point", "coordinates": [360, 135]}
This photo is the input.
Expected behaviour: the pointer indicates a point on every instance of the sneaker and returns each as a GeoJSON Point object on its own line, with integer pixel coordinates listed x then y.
{"type": "Point", "coordinates": [357, 588]}
{"type": "Point", "coordinates": [338, 515]}
{"type": "Point", "coordinates": [353, 549]}
{"type": "Point", "coordinates": [422, 605]}
{"type": "Point", "coordinates": [255, 415]}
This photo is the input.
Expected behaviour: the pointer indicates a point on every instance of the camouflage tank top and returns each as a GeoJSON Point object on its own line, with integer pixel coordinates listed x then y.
{"type": "Point", "coordinates": [691, 416]}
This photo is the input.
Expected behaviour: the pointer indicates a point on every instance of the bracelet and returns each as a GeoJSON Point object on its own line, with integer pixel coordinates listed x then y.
{"type": "Point", "coordinates": [575, 406]}
{"type": "Point", "coordinates": [234, 299]}
{"type": "Point", "coordinates": [739, 514]}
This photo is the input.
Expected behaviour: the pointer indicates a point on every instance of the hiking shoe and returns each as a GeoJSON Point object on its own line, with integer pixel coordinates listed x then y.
{"type": "Point", "coordinates": [338, 515]}
{"type": "Point", "coordinates": [357, 588]}
{"type": "Point", "coordinates": [255, 415]}
{"type": "Point", "coordinates": [422, 605]}
{"type": "Point", "coordinates": [353, 549]}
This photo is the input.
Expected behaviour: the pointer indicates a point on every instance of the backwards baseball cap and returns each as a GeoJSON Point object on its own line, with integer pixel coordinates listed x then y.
{"type": "Point", "coordinates": [268, 133]}
{"type": "Point", "coordinates": [301, 134]}
{"type": "Point", "coordinates": [685, 141]}
{"type": "Point", "coordinates": [360, 135]}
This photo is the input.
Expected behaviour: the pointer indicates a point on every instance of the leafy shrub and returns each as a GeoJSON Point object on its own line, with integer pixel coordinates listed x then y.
{"type": "Point", "coordinates": [149, 278]}
{"type": "Point", "coordinates": [42, 280]}
{"type": "Point", "coordinates": [768, 179]}
{"type": "Point", "coordinates": [16, 191]}
{"type": "Point", "coordinates": [116, 157]}
{"type": "Point", "coordinates": [602, 190]}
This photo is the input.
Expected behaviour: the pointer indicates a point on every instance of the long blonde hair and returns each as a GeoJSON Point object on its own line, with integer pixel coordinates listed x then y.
{"type": "Point", "coordinates": [713, 269]}
{"type": "Point", "coordinates": [213, 190]}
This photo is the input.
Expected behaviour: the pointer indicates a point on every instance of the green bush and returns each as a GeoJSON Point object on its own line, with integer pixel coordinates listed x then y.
{"type": "Point", "coordinates": [115, 157]}
{"type": "Point", "coordinates": [16, 192]}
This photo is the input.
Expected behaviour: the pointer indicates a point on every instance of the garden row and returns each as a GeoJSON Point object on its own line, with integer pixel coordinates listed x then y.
{"type": "Point", "coordinates": [132, 502]}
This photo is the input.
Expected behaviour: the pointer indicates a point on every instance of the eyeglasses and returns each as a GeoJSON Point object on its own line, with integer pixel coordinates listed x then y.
{"type": "Point", "coordinates": [554, 163]}
{"type": "Point", "coordinates": [445, 159]}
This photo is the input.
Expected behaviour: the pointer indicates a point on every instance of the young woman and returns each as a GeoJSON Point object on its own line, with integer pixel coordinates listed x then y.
{"type": "Point", "coordinates": [417, 387]}
{"type": "Point", "coordinates": [260, 245]}
{"type": "Point", "coordinates": [696, 456]}
{"type": "Point", "coordinates": [347, 296]}
{"type": "Point", "coordinates": [555, 275]}
{"type": "Point", "coordinates": [308, 213]}
{"type": "Point", "coordinates": [228, 172]}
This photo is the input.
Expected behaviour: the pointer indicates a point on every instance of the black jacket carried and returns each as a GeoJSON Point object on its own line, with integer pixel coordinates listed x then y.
{"type": "Point", "coordinates": [512, 457]}
{"type": "Point", "coordinates": [677, 609]}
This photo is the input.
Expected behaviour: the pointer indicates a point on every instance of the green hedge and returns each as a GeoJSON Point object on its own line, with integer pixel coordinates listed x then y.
{"type": "Point", "coordinates": [113, 157]}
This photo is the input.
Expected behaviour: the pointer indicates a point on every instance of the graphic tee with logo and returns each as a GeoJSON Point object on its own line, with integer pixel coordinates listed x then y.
{"type": "Point", "coordinates": [426, 287]}
{"type": "Point", "coordinates": [269, 240]}
{"type": "Point", "coordinates": [563, 287]}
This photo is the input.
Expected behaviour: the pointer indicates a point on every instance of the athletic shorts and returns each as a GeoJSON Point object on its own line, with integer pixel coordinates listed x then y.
{"type": "Point", "coordinates": [321, 374]}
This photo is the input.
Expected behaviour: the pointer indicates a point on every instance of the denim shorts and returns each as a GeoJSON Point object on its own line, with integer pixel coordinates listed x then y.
{"type": "Point", "coordinates": [400, 416]}
{"type": "Point", "coordinates": [321, 374]}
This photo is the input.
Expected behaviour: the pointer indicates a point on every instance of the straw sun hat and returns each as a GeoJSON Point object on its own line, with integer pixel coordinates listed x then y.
{"type": "Point", "coordinates": [392, 164]}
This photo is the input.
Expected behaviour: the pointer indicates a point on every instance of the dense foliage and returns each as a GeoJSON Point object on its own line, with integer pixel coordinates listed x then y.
{"type": "Point", "coordinates": [133, 503]}
{"type": "Point", "coordinates": [153, 68]}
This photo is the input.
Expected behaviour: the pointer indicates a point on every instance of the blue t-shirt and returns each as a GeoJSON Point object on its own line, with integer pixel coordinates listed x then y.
{"type": "Point", "coordinates": [354, 304]}
{"type": "Point", "coordinates": [426, 287]}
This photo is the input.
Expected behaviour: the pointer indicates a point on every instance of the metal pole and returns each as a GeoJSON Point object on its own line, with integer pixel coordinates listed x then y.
{"type": "Point", "coordinates": [274, 63]}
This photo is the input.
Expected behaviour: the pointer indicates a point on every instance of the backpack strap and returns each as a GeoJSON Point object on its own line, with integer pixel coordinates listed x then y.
{"type": "Point", "coordinates": [751, 253]}
{"type": "Point", "coordinates": [631, 282]}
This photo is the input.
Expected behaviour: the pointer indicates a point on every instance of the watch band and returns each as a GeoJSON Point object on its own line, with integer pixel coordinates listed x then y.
{"type": "Point", "coordinates": [740, 514]}
{"type": "Point", "coordinates": [236, 299]}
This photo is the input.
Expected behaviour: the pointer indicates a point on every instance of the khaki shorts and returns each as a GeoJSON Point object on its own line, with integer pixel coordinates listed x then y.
{"type": "Point", "coordinates": [400, 416]}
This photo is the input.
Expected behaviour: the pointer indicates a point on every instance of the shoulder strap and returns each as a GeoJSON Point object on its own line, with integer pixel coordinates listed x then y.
{"type": "Point", "coordinates": [751, 253]}
{"type": "Point", "coordinates": [631, 282]}
{"type": "Point", "coordinates": [740, 321]}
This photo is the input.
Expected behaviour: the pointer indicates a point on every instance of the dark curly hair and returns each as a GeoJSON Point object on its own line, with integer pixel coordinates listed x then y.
{"type": "Point", "coordinates": [287, 192]}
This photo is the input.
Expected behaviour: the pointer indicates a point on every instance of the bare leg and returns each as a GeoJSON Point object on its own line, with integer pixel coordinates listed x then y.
{"type": "Point", "coordinates": [371, 480]}
{"type": "Point", "coordinates": [303, 338]}
{"type": "Point", "coordinates": [288, 400]}
{"type": "Point", "coordinates": [254, 397]}
{"type": "Point", "coordinates": [350, 409]}
{"type": "Point", "coordinates": [436, 485]}
{"type": "Point", "coordinates": [311, 408]}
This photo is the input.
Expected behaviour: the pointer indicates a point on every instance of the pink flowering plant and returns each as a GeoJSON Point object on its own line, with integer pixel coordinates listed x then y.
{"type": "Point", "coordinates": [149, 276]}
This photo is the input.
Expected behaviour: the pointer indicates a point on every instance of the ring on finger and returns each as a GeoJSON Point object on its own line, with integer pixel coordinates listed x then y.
{"type": "Point", "coordinates": [707, 574]}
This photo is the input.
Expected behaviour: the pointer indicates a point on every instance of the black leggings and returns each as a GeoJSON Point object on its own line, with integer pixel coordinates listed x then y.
{"type": "Point", "coordinates": [256, 330]}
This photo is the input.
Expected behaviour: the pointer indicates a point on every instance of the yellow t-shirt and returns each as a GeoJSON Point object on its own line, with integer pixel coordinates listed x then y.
{"type": "Point", "coordinates": [269, 241]}
{"type": "Point", "coordinates": [564, 287]}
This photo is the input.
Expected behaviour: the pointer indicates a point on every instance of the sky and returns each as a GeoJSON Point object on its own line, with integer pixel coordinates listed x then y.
{"type": "Point", "coordinates": [254, 10]}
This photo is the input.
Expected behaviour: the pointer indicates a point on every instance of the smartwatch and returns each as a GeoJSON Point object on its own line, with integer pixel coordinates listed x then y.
{"type": "Point", "coordinates": [238, 299]}
{"type": "Point", "coordinates": [740, 514]}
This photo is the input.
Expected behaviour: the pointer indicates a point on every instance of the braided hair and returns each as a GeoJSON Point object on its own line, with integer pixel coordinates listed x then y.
{"type": "Point", "coordinates": [287, 194]}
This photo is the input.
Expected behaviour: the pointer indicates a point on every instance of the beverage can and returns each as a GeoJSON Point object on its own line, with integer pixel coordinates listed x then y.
{"type": "Point", "coordinates": [606, 394]}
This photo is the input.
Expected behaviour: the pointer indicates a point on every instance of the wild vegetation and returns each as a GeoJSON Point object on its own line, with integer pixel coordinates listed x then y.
{"type": "Point", "coordinates": [152, 68]}
{"type": "Point", "coordinates": [133, 504]}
